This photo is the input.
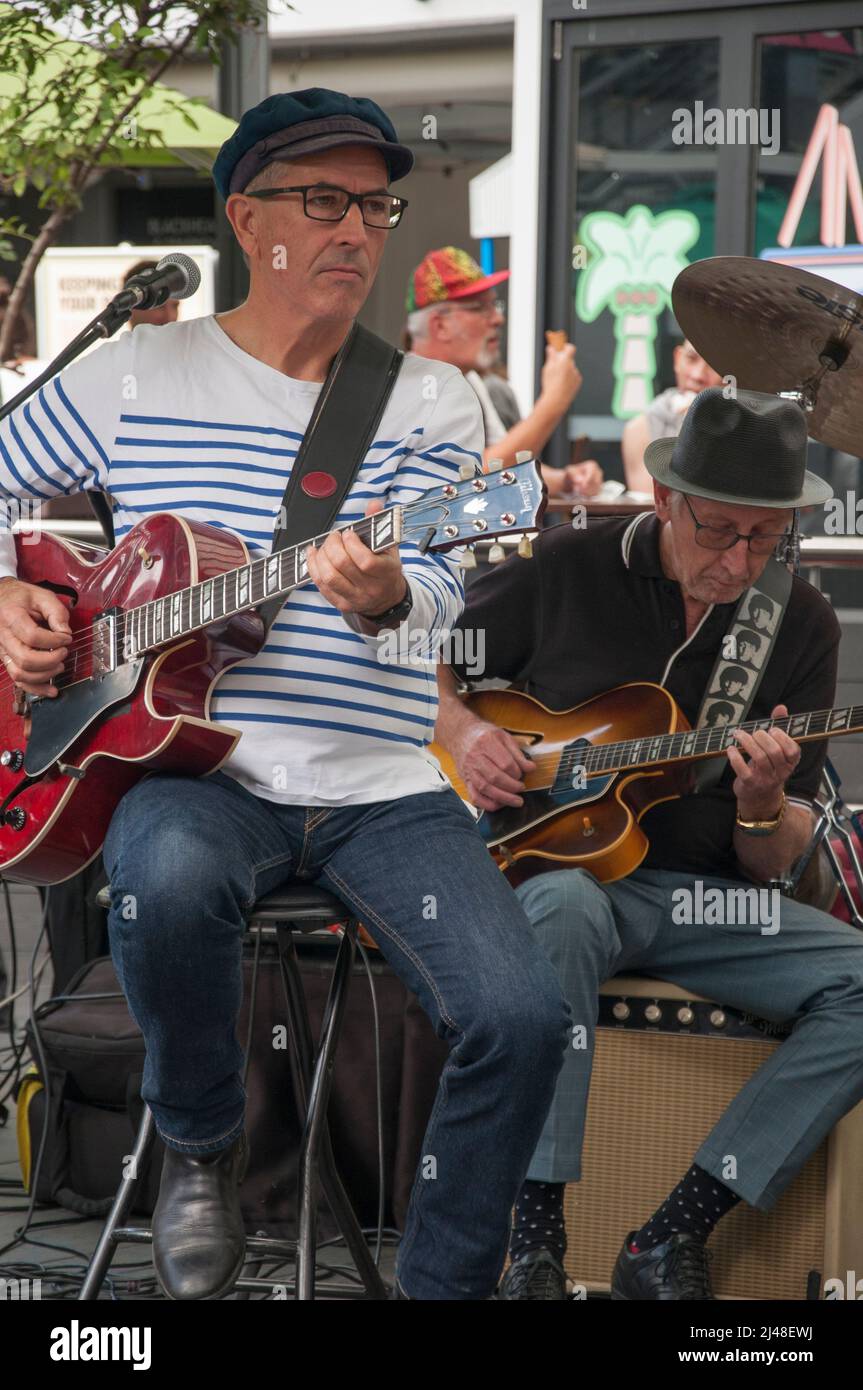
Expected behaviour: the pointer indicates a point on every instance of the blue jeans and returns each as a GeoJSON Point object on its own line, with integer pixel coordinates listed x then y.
{"type": "Point", "coordinates": [187, 857]}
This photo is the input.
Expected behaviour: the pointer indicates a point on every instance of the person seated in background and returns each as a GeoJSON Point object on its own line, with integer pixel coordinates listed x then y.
{"type": "Point", "coordinates": [24, 337]}
{"type": "Point", "coordinates": [165, 313]}
{"type": "Point", "coordinates": [503, 398]}
{"type": "Point", "coordinates": [21, 364]}
{"type": "Point", "coordinates": [454, 317]}
{"type": "Point", "coordinates": [664, 415]}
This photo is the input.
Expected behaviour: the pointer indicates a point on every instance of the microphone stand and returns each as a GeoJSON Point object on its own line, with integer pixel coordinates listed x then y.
{"type": "Point", "coordinates": [104, 325]}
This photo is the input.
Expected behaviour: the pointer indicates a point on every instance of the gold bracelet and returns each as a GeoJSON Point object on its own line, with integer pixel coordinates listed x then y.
{"type": "Point", "coordinates": [763, 827]}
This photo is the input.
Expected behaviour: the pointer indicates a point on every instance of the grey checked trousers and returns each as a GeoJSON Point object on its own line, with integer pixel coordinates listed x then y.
{"type": "Point", "coordinates": [809, 973]}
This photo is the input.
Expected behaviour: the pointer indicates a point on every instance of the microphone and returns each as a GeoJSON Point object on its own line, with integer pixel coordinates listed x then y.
{"type": "Point", "coordinates": [175, 277]}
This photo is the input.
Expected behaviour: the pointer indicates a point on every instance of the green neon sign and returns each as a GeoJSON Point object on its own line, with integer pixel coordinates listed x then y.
{"type": "Point", "coordinates": [632, 262]}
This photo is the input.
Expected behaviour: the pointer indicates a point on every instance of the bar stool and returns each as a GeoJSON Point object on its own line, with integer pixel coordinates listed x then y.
{"type": "Point", "coordinates": [295, 908]}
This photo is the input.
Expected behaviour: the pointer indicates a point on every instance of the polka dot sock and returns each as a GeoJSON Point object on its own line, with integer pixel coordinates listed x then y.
{"type": "Point", "coordinates": [695, 1205]}
{"type": "Point", "coordinates": [538, 1220]}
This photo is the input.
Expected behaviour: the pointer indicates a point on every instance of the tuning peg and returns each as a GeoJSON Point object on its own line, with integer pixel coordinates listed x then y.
{"type": "Point", "coordinates": [494, 465]}
{"type": "Point", "coordinates": [523, 456]}
{"type": "Point", "coordinates": [525, 548]}
{"type": "Point", "coordinates": [466, 470]}
{"type": "Point", "coordinates": [496, 554]}
{"type": "Point", "coordinates": [468, 559]}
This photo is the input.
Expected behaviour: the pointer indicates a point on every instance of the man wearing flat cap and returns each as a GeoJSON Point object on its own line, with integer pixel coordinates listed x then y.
{"type": "Point", "coordinates": [329, 782]}
{"type": "Point", "coordinates": [651, 599]}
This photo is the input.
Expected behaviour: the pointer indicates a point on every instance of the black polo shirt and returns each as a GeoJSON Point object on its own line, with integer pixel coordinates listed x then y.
{"type": "Point", "coordinates": [593, 610]}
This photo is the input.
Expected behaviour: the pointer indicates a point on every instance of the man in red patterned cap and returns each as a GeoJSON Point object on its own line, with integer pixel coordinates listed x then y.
{"type": "Point", "coordinates": [453, 316]}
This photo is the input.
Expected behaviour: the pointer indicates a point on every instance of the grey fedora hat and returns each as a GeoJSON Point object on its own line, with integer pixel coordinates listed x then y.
{"type": "Point", "coordinates": [748, 449]}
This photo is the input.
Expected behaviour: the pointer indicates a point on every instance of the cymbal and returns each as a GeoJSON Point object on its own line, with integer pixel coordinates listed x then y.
{"type": "Point", "coordinates": [776, 328]}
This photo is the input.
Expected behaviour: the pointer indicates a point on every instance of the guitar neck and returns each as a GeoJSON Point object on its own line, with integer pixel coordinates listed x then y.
{"type": "Point", "coordinates": [453, 514]}
{"type": "Point", "coordinates": [236, 591]}
{"type": "Point", "coordinates": [703, 743]}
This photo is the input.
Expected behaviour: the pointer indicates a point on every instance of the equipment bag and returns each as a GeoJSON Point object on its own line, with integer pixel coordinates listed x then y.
{"type": "Point", "coordinates": [94, 1060]}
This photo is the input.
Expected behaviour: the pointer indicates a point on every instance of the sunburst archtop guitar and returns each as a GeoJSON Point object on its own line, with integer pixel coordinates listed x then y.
{"type": "Point", "coordinates": [597, 768]}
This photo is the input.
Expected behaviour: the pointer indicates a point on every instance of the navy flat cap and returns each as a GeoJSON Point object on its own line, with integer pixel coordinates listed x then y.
{"type": "Point", "coordinates": [292, 124]}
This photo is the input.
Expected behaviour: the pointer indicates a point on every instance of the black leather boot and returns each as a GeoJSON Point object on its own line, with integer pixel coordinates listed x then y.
{"type": "Point", "coordinates": [199, 1240]}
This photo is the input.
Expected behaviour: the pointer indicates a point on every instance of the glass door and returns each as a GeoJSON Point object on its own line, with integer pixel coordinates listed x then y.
{"type": "Point", "coordinates": [669, 138]}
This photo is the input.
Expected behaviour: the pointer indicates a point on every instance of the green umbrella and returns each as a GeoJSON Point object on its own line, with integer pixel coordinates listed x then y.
{"type": "Point", "coordinates": [188, 131]}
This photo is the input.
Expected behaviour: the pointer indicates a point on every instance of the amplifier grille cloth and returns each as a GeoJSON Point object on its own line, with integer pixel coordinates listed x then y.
{"type": "Point", "coordinates": [653, 1099]}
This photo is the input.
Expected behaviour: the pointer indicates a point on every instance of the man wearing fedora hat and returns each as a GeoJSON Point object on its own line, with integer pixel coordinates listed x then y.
{"type": "Point", "coordinates": [329, 782]}
{"type": "Point", "coordinates": [651, 598]}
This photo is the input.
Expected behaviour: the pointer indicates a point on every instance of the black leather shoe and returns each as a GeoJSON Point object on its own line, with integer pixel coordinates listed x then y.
{"type": "Point", "coordinates": [676, 1269]}
{"type": "Point", "coordinates": [536, 1275]}
{"type": "Point", "coordinates": [199, 1240]}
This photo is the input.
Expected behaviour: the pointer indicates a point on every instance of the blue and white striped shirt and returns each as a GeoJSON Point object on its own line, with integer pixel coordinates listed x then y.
{"type": "Point", "coordinates": [180, 419]}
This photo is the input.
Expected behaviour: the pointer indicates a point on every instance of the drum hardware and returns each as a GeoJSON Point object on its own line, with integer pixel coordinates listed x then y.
{"type": "Point", "coordinates": [833, 818]}
{"type": "Point", "coordinates": [773, 327]}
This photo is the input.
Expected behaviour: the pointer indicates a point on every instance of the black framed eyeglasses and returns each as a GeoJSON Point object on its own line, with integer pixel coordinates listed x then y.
{"type": "Point", "coordinates": [724, 537]}
{"type": "Point", "coordinates": [494, 306]}
{"type": "Point", "coordinates": [324, 202]}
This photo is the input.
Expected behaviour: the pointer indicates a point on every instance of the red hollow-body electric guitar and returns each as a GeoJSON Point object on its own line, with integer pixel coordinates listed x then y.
{"type": "Point", "coordinates": [154, 625]}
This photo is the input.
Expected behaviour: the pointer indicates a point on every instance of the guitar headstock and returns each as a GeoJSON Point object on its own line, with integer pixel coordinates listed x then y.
{"type": "Point", "coordinates": [479, 507]}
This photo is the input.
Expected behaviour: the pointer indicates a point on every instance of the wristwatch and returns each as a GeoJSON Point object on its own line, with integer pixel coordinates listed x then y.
{"type": "Point", "coordinates": [397, 613]}
{"type": "Point", "coordinates": [763, 827]}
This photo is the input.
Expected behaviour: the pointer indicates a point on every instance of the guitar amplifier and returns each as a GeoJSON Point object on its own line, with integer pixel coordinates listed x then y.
{"type": "Point", "coordinates": [666, 1065]}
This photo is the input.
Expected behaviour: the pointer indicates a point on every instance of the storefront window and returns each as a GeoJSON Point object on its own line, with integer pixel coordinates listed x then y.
{"type": "Point", "coordinates": [800, 73]}
{"type": "Point", "coordinates": [805, 202]}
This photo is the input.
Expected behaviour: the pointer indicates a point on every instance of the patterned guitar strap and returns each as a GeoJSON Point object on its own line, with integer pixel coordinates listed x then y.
{"type": "Point", "coordinates": [742, 661]}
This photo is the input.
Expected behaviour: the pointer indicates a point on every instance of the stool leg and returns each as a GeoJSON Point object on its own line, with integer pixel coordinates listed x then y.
{"type": "Point", "coordinates": [302, 1051]}
{"type": "Point", "coordinates": [104, 1252]}
{"type": "Point", "coordinates": [313, 1093]}
{"type": "Point", "coordinates": [318, 1143]}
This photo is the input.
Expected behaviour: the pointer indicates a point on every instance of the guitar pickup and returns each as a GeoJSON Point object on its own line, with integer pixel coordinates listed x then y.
{"type": "Point", "coordinates": [104, 647]}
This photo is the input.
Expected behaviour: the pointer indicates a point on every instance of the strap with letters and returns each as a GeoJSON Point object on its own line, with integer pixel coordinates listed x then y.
{"type": "Point", "coordinates": [735, 678]}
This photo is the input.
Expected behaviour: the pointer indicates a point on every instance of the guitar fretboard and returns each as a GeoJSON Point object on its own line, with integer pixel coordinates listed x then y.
{"type": "Point", "coordinates": [270, 576]}
{"type": "Point", "coordinates": [597, 759]}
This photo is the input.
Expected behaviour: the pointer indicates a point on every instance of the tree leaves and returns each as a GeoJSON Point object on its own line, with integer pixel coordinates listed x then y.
{"type": "Point", "coordinates": [69, 102]}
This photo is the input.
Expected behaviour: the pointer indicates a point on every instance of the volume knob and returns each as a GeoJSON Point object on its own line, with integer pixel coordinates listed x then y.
{"type": "Point", "coordinates": [653, 1013]}
{"type": "Point", "coordinates": [16, 817]}
{"type": "Point", "coordinates": [11, 758]}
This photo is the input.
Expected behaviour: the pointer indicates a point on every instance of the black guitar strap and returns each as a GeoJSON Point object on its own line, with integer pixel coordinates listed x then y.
{"type": "Point", "coordinates": [735, 679]}
{"type": "Point", "coordinates": [101, 508]}
{"type": "Point", "coordinates": [337, 438]}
